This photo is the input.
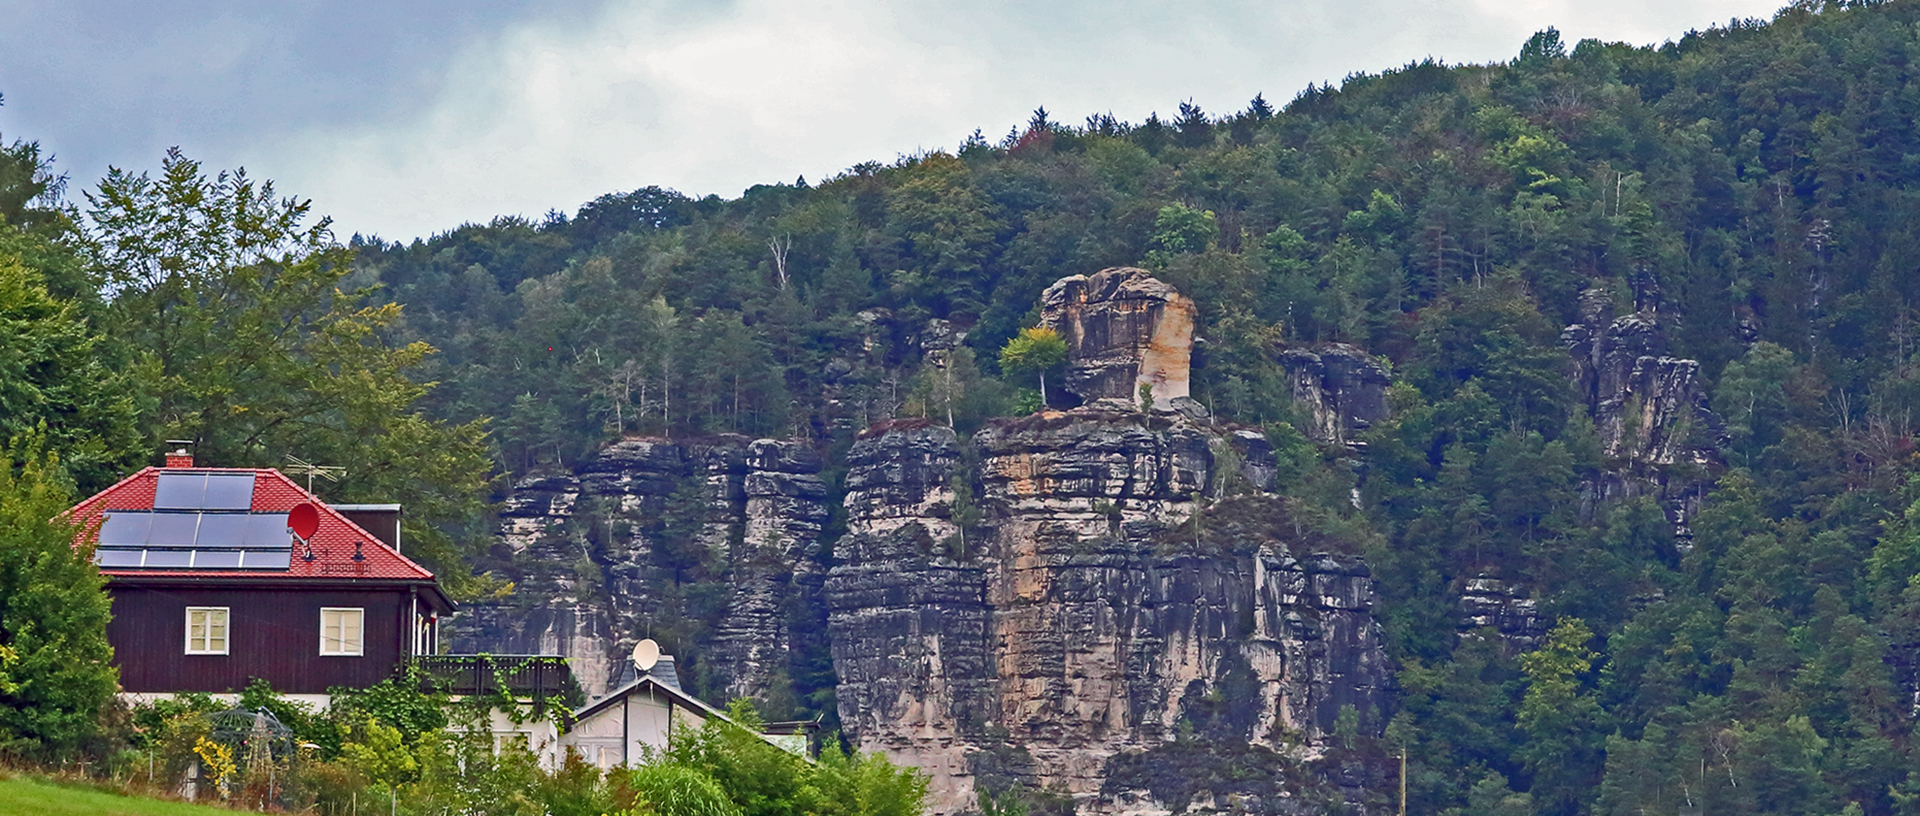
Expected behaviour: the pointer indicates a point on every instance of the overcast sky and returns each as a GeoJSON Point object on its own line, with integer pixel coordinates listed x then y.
{"type": "Point", "coordinates": [403, 118]}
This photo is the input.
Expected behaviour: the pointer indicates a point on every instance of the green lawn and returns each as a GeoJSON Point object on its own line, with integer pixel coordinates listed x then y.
{"type": "Point", "coordinates": [20, 796]}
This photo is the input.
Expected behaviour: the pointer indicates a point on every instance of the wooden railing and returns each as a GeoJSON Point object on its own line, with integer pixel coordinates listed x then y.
{"type": "Point", "coordinates": [540, 677]}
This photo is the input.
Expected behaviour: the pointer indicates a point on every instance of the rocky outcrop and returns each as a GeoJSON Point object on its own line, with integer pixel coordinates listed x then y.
{"type": "Point", "coordinates": [772, 563]}
{"type": "Point", "coordinates": [907, 610]}
{"type": "Point", "coordinates": [1124, 329]}
{"type": "Point", "coordinates": [1505, 608]}
{"type": "Point", "coordinates": [1341, 389]}
{"type": "Point", "coordinates": [1084, 628]}
{"type": "Point", "coordinates": [1649, 410]}
{"type": "Point", "coordinates": [555, 610]}
{"type": "Point", "coordinates": [588, 551]}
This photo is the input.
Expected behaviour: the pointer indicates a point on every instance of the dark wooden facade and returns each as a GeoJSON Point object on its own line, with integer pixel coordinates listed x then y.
{"type": "Point", "coordinates": [273, 634]}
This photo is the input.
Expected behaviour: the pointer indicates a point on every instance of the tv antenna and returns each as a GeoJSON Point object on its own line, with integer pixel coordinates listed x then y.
{"type": "Point", "coordinates": [301, 466]}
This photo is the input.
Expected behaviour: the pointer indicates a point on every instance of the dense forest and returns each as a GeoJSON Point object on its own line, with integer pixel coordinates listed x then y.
{"type": "Point", "coordinates": [1754, 184]}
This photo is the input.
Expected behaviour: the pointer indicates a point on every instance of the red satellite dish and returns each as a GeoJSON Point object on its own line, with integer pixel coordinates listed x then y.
{"type": "Point", "coordinates": [304, 521]}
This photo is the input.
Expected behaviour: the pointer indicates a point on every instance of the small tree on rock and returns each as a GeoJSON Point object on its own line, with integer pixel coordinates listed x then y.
{"type": "Point", "coordinates": [1034, 351]}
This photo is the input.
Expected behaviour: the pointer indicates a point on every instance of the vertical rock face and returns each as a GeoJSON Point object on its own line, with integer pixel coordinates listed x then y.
{"type": "Point", "coordinates": [908, 618]}
{"type": "Point", "coordinates": [1649, 410]}
{"type": "Point", "coordinates": [587, 550]}
{"type": "Point", "coordinates": [1124, 329]}
{"type": "Point", "coordinates": [1488, 602]}
{"type": "Point", "coordinates": [1342, 388]}
{"type": "Point", "coordinates": [1079, 639]}
{"type": "Point", "coordinates": [563, 615]}
{"type": "Point", "coordinates": [772, 562]}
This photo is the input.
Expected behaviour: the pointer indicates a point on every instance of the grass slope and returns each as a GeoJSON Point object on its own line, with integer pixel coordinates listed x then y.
{"type": "Point", "coordinates": [20, 796]}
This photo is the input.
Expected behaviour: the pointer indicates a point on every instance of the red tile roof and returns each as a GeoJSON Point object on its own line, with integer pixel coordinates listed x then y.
{"type": "Point", "coordinates": [333, 544]}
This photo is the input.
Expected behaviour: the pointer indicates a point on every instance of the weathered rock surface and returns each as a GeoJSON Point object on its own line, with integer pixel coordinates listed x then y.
{"type": "Point", "coordinates": [1341, 387]}
{"type": "Point", "coordinates": [759, 502]}
{"type": "Point", "coordinates": [1078, 634]}
{"type": "Point", "coordinates": [1649, 410]}
{"type": "Point", "coordinates": [1487, 602]}
{"type": "Point", "coordinates": [1124, 329]}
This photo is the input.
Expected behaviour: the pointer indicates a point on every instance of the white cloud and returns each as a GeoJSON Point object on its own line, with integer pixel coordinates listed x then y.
{"type": "Point", "coordinates": [549, 115]}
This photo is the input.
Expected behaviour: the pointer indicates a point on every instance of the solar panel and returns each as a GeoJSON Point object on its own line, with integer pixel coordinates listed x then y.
{"type": "Point", "coordinates": [121, 559]}
{"type": "Point", "coordinates": [173, 529]}
{"type": "Point", "coordinates": [180, 491]}
{"type": "Point", "coordinates": [216, 559]}
{"type": "Point", "coordinates": [176, 540]}
{"type": "Point", "coordinates": [125, 528]}
{"type": "Point", "coordinates": [169, 559]}
{"type": "Point", "coordinates": [229, 491]}
{"type": "Point", "coordinates": [268, 531]}
{"type": "Point", "coordinates": [264, 559]}
{"type": "Point", "coordinates": [204, 491]}
{"type": "Point", "coordinates": [221, 530]}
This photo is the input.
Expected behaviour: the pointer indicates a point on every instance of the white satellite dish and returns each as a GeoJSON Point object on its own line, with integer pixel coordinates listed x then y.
{"type": "Point", "coordinates": [645, 654]}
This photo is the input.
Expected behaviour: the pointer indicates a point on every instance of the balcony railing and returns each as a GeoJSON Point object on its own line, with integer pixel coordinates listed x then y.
{"type": "Point", "coordinates": [542, 678]}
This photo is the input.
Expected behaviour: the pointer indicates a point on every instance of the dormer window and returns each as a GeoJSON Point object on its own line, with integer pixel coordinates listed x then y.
{"type": "Point", "coordinates": [342, 632]}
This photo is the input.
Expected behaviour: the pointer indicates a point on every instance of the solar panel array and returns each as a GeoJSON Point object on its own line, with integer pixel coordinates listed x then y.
{"type": "Point", "coordinates": [199, 522]}
{"type": "Point", "coordinates": [204, 491]}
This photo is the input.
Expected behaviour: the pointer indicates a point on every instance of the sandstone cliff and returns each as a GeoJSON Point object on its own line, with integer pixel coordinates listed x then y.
{"type": "Point", "coordinates": [1125, 329]}
{"type": "Point", "coordinates": [591, 551]}
{"type": "Point", "coordinates": [1340, 390]}
{"type": "Point", "coordinates": [1107, 604]}
{"type": "Point", "coordinates": [1084, 634]}
{"type": "Point", "coordinates": [1649, 409]}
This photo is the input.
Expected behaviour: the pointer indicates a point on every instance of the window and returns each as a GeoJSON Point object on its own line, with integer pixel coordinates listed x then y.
{"type": "Point", "coordinates": [342, 632]}
{"type": "Point", "coordinates": [207, 630]}
{"type": "Point", "coordinates": [504, 741]}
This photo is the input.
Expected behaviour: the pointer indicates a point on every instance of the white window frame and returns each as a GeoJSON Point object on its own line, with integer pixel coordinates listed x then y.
{"type": "Point", "coordinates": [358, 648]}
{"type": "Point", "coordinates": [206, 636]}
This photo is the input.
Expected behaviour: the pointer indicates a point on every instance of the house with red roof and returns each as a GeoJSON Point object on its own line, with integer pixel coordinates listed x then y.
{"type": "Point", "coordinates": [211, 588]}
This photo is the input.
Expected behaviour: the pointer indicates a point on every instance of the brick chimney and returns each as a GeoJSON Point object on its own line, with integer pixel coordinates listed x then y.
{"type": "Point", "coordinates": [179, 457]}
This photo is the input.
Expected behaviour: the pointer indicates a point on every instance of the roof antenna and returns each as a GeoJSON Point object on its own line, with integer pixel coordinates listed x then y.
{"type": "Point", "coordinates": [301, 466]}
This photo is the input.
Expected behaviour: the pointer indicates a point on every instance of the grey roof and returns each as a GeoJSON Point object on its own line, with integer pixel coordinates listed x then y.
{"type": "Point", "coordinates": [657, 682]}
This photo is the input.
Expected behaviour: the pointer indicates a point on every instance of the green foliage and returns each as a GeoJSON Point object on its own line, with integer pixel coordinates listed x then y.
{"type": "Point", "coordinates": [55, 678]}
{"type": "Point", "coordinates": [953, 390]}
{"type": "Point", "coordinates": [1180, 229]}
{"type": "Point", "coordinates": [254, 345]}
{"type": "Point", "coordinates": [1035, 351]}
{"type": "Point", "coordinates": [856, 784]}
{"type": "Point", "coordinates": [1747, 188]}
{"type": "Point", "coordinates": [1561, 718]}
{"type": "Point", "coordinates": [55, 373]}
{"type": "Point", "coordinates": [679, 790]}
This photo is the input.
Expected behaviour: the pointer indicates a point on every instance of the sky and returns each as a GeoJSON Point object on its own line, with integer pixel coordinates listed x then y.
{"type": "Point", "coordinates": [405, 118]}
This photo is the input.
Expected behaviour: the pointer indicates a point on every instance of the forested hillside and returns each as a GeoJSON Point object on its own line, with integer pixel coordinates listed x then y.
{"type": "Point", "coordinates": [1752, 187]}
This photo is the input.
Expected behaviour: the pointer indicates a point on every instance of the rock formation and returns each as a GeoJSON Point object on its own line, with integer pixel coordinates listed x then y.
{"type": "Point", "coordinates": [1105, 604]}
{"type": "Point", "coordinates": [1085, 632]}
{"type": "Point", "coordinates": [759, 502]}
{"type": "Point", "coordinates": [1124, 329]}
{"type": "Point", "coordinates": [1341, 388]}
{"type": "Point", "coordinates": [1649, 410]}
{"type": "Point", "coordinates": [1100, 603]}
{"type": "Point", "coordinates": [1488, 602]}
